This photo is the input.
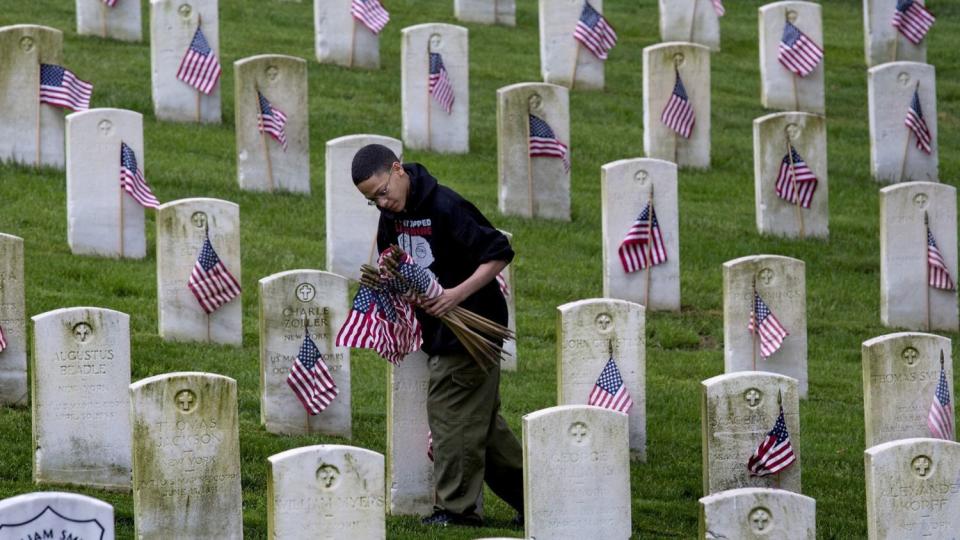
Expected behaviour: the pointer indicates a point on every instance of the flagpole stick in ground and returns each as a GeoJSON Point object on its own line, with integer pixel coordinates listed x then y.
{"type": "Point", "coordinates": [926, 231]}
{"type": "Point", "coordinates": [197, 113]}
{"type": "Point", "coordinates": [529, 168]}
{"type": "Point", "coordinates": [646, 255]}
{"type": "Point", "coordinates": [576, 60]}
{"type": "Point", "coordinates": [796, 187]}
{"type": "Point", "coordinates": [306, 334]}
{"type": "Point", "coordinates": [353, 42]}
{"type": "Point", "coordinates": [39, 106]}
{"type": "Point", "coordinates": [906, 146]}
{"type": "Point", "coordinates": [896, 42]}
{"type": "Point", "coordinates": [796, 94]}
{"type": "Point", "coordinates": [103, 20]}
{"type": "Point", "coordinates": [121, 221]}
{"type": "Point", "coordinates": [263, 139]}
{"type": "Point", "coordinates": [753, 317]}
{"type": "Point", "coordinates": [429, 137]}
{"type": "Point", "coordinates": [693, 19]}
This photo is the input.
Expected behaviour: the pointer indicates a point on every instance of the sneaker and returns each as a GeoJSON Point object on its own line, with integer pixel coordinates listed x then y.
{"type": "Point", "coordinates": [442, 518]}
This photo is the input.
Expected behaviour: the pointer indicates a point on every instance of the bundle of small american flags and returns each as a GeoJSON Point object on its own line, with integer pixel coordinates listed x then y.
{"type": "Point", "coordinates": [210, 282]}
{"type": "Point", "coordinates": [438, 84]}
{"type": "Point", "coordinates": [913, 20]}
{"type": "Point", "coordinates": [609, 391]}
{"type": "Point", "coordinates": [678, 113]}
{"type": "Point", "coordinates": [918, 125]}
{"type": "Point", "coordinates": [795, 180]}
{"type": "Point", "coordinates": [594, 32]}
{"type": "Point", "coordinates": [797, 52]}
{"type": "Point", "coordinates": [60, 87]}
{"type": "Point", "coordinates": [775, 453]}
{"type": "Point", "coordinates": [766, 326]}
{"type": "Point", "coordinates": [310, 379]}
{"type": "Point", "coordinates": [132, 181]}
{"type": "Point", "coordinates": [643, 245]}
{"type": "Point", "coordinates": [371, 13]}
{"type": "Point", "coordinates": [271, 120]}
{"type": "Point", "coordinates": [200, 67]}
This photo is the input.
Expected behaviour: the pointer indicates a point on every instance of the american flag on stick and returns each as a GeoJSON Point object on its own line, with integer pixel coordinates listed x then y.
{"type": "Point", "coordinates": [609, 391]}
{"type": "Point", "coordinates": [643, 240]}
{"type": "Point", "coordinates": [913, 20]}
{"type": "Point", "coordinates": [371, 13]}
{"type": "Point", "coordinates": [940, 418]}
{"type": "Point", "coordinates": [775, 452]}
{"type": "Point", "coordinates": [132, 181]}
{"type": "Point", "coordinates": [797, 52]}
{"type": "Point", "coordinates": [210, 281]}
{"type": "Point", "coordinates": [271, 120]}
{"type": "Point", "coordinates": [439, 83]}
{"type": "Point", "coordinates": [936, 266]}
{"type": "Point", "coordinates": [594, 32]}
{"type": "Point", "coordinates": [3, 340]}
{"type": "Point", "coordinates": [60, 87]}
{"type": "Point", "coordinates": [794, 169]}
{"type": "Point", "coordinates": [383, 322]}
{"type": "Point", "coordinates": [718, 7]}
{"type": "Point", "coordinates": [917, 125]}
{"type": "Point", "coordinates": [200, 67]}
{"type": "Point", "coordinates": [310, 379]}
{"type": "Point", "coordinates": [765, 324]}
{"type": "Point", "coordinates": [678, 114]}
{"type": "Point", "coordinates": [544, 142]}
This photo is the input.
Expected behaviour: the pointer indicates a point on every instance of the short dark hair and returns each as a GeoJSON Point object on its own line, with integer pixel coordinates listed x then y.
{"type": "Point", "coordinates": [370, 160]}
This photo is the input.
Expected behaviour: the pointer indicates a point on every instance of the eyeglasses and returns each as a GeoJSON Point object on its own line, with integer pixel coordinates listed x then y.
{"type": "Point", "coordinates": [382, 192]}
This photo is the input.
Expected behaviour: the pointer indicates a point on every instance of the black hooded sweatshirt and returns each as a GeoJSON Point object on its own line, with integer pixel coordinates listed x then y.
{"type": "Point", "coordinates": [447, 235]}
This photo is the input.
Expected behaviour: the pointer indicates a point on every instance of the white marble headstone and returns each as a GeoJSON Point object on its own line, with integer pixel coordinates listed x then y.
{"type": "Point", "coordinates": [341, 39]}
{"type": "Point", "coordinates": [758, 513]}
{"type": "Point", "coordinates": [351, 223]}
{"type": "Point", "coordinates": [23, 47]}
{"type": "Point", "coordinates": [882, 42]}
{"type": "Point", "coordinates": [903, 255]}
{"type": "Point", "coordinates": [122, 21]}
{"type": "Point", "coordinates": [95, 199]}
{"type": "Point", "coordinates": [13, 359]}
{"type": "Point", "coordinates": [173, 24]}
{"type": "Point", "coordinates": [900, 376]}
{"type": "Point", "coordinates": [80, 369]}
{"type": "Point", "coordinates": [576, 473]}
{"type": "Point", "coordinates": [781, 283]}
{"type": "Point", "coordinates": [181, 227]}
{"type": "Point", "coordinates": [426, 125]}
{"type": "Point", "coordinates": [486, 11]}
{"type": "Point", "coordinates": [913, 489]}
{"type": "Point", "coordinates": [186, 457]}
{"type": "Point", "coordinates": [326, 491]}
{"type": "Point", "coordinates": [780, 88]}
{"type": "Point", "coordinates": [509, 361]}
{"type": "Point", "coordinates": [532, 186]}
{"type": "Point", "coordinates": [894, 156]}
{"type": "Point", "coordinates": [588, 331]}
{"type": "Point", "coordinates": [287, 300]}
{"type": "Point", "coordinates": [409, 472]}
{"type": "Point", "coordinates": [625, 187]}
{"type": "Point", "coordinates": [739, 409]}
{"type": "Point", "coordinates": [563, 60]}
{"type": "Point", "coordinates": [56, 514]}
{"type": "Point", "coordinates": [695, 21]}
{"type": "Point", "coordinates": [661, 63]}
{"type": "Point", "coordinates": [807, 133]}
{"type": "Point", "coordinates": [262, 162]}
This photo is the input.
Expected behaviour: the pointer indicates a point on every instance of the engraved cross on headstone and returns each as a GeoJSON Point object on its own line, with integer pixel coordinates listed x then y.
{"type": "Point", "coordinates": [578, 431]}
{"type": "Point", "coordinates": [759, 518]}
{"type": "Point", "coordinates": [185, 400]}
{"type": "Point", "coordinates": [921, 465]}
{"type": "Point", "coordinates": [752, 396]}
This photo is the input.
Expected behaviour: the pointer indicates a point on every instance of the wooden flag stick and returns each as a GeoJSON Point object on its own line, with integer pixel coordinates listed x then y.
{"type": "Point", "coordinates": [529, 166]}
{"type": "Point", "coordinates": [796, 93]}
{"type": "Point", "coordinates": [496, 12]}
{"type": "Point", "coordinates": [197, 113]}
{"type": "Point", "coordinates": [39, 107]}
{"type": "Point", "coordinates": [646, 255]}
{"type": "Point", "coordinates": [121, 221]}
{"type": "Point", "coordinates": [353, 42]}
{"type": "Point", "coordinates": [576, 60]}
{"type": "Point", "coordinates": [693, 19]}
{"type": "Point", "coordinates": [796, 187]}
{"type": "Point", "coordinates": [263, 139]}
{"type": "Point", "coordinates": [906, 148]}
{"type": "Point", "coordinates": [926, 242]}
{"type": "Point", "coordinates": [753, 316]}
{"type": "Point", "coordinates": [896, 42]}
{"type": "Point", "coordinates": [103, 20]}
{"type": "Point", "coordinates": [429, 105]}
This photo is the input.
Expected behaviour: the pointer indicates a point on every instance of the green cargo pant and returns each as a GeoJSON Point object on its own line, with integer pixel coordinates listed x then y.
{"type": "Point", "coordinates": [471, 441]}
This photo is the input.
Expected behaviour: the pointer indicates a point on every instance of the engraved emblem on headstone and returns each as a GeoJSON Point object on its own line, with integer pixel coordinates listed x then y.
{"type": "Point", "coordinates": [435, 42]}
{"type": "Point", "coordinates": [910, 356]}
{"type": "Point", "coordinates": [920, 199]}
{"type": "Point", "coordinates": [328, 476]}
{"type": "Point", "coordinates": [534, 102]}
{"type": "Point", "coordinates": [793, 131]}
{"type": "Point", "coordinates": [305, 292]}
{"type": "Point", "coordinates": [603, 321]}
{"type": "Point", "coordinates": [186, 401]}
{"type": "Point", "coordinates": [765, 276]}
{"type": "Point", "coordinates": [272, 73]}
{"type": "Point", "coordinates": [184, 10]}
{"type": "Point", "coordinates": [922, 466]}
{"type": "Point", "coordinates": [753, 397]}
{"type": "Point", "coordinates": [792, 16]}
{"type": "Point", "coordinates": [903, 78]}
{"type": "Point", "coordinates": [760, 520]}
{"type": "Point", "coordinates": [199, 220]}
{"type": "Point", "coordinates": [578, 430]}
{"type": "Point", "coordinates": [641, 177]}
{"type": "Point", "coordinates": [678, 59]}
{"type": "Point", "coordinates": [105, 127]}
{"type": "Point", "coordinates": [26, 43]}
{"type": "Point", "coordinates": [82, 332]}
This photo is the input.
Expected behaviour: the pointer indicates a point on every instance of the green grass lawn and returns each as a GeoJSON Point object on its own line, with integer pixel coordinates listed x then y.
{"type": "Point", "coordinates": [556, 262]}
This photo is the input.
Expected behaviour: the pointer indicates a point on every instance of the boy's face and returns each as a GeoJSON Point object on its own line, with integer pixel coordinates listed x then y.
{"type": "Point", "coordinates": [387, 190]}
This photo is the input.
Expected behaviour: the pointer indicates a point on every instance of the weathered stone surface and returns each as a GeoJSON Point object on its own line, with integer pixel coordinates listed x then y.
{"type": "Point", "coordinates": [781, 283]}
{"type": "Point", "coordinates": [181, 227]}
{"type": "Point", "coordinates": [283, 82]}
{"type": "Point", "coordinates": [351, 223]}
{"type": "Point", "coordinates": [95, 199]}
{"type": "Point", "coordinates": [903, 255]}
{"type": "Point", "coordinates": [426, 125]}
{"type": "Point", "coordinates": [326, 491]}
{"type": "Point", "coordinates": [186, 457]}
{"type": "Point", "coordinates": [341, 39]}
{"type": "Point", "coordinates": [881, 41]}
{"type": "Point", "coordinates": [590, 333]}
{"type": "Point", "coordinates": [912, 489]}
{"type": "Point", "coordinates": [173, 24]}
{"type": "Point", "coordinates": [81, 369]}
{"type": "Point", "coordinates": [661, 63]}
{"type": "Point", "coordinates": [532, 186]}
{"type": "Point", "coordinates": [758, 513]}
{"type": "Point", "coordinates": [563, 60]}
{"type": "Point", "coordinates": [287, 300]}
{"type": "Point", "coordinates": [13, 359]}
{"type": "Point", "coordinates": [66, 515]}
{"type": "Point", "coordinates": [576, 473]}
{"type": "Point", "coordinates": [625, 187]}
{"type": "Point", "coordinates": [122, 21]}
{"type": "Point", "coordinates": [509, 361]}
{"type": "Point", "coordinates": [486, 11]}
{"type": "Point", "coordinates": [900, 376]}
{"type": "Point", "coordinates": [894, 156]}
{"type": "Point", "coordinates": [23, 47]}
{"type": "Point", "coordinates": [807, 133]}
{"type": "Point", "coordinates": [694, 21]}
{"type": "Point", "coordinates": [779, 87]}
{"type": "Point", "coordinates": [409, 471]}
{"type": "Point", "coordinates": [739, 409]}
